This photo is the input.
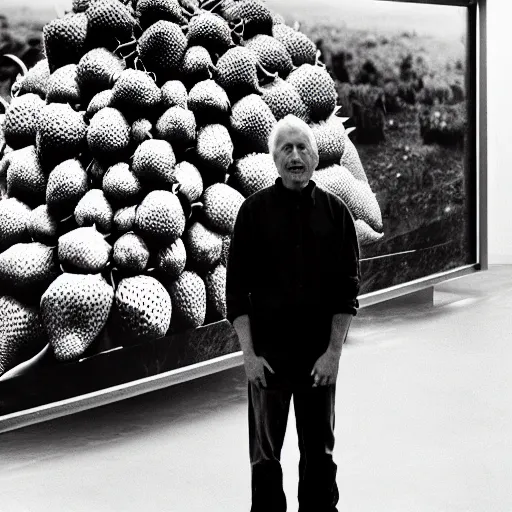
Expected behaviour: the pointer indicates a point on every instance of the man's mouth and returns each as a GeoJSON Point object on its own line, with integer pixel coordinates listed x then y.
{"type": "Point", "coordinates": [295, 168]}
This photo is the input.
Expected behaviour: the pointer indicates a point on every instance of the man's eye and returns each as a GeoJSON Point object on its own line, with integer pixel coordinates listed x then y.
{"type": "Point", "coordinates": [287, 148]}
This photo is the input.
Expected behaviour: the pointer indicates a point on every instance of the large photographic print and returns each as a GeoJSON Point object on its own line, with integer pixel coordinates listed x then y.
{"type": "Point", "coordinates": [132, 131]}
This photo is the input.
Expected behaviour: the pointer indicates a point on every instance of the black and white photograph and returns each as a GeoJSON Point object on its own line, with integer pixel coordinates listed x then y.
{"type": "Point", "coordinates": [254, 256]}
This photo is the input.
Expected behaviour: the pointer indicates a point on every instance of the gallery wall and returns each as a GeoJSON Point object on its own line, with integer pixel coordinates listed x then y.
{"type": "Point", "coordinates": [499, 112]}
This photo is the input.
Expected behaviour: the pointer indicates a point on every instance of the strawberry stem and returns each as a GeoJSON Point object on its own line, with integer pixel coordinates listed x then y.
{"type": "Point", "coordinates": [264, 75]}
{"type": "Point", "coordinates": [67, 218]}
{"type": "Point", "coordinates": [130, 55]}
{"type": "Point", "coordinates": [111, 275]}
{"type": "Point", "coordinates": [211, 5]}
{"type": "Point", "coordinates": [125, 45]}
{"type": "Point", "coordinates": [139, 65]}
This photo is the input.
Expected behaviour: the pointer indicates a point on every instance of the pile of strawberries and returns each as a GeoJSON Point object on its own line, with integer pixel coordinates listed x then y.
{"type": "Point", "coordinates": [126, 153]}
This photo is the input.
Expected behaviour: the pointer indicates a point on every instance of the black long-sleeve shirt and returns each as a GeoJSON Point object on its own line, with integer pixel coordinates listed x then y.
{"type": "Point", "coordinates": [293, 256]}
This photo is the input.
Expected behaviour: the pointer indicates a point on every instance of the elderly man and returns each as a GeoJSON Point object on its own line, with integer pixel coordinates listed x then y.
{"type": "Point", "coordinates": [292, 284]}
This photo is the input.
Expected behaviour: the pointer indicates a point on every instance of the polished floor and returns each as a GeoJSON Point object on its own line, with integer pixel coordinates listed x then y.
{"type": "Point", "coordinates": [424, 424]}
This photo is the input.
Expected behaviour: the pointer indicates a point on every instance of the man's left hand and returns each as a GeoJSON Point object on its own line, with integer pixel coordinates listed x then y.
{"type": "Point", "coordinates": [325, 370]}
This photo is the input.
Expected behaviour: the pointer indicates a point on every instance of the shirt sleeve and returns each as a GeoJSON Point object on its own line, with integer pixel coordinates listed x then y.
{"type": "Point", "coordinates": [349, 261]}
{"type": "Point", "coordinates": [238, 266]}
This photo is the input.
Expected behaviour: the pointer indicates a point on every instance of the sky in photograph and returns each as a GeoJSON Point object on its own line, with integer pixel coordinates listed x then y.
{"type": "Point", "coordinates": [436, 20]}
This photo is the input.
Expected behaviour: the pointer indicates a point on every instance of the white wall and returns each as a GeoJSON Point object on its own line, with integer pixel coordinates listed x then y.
{"type": "Point", "coordinates": [499, 111]}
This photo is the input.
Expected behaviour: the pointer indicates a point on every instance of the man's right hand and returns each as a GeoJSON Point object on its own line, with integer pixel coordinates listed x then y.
{"type": "Point", "coordinates": [255, 369]}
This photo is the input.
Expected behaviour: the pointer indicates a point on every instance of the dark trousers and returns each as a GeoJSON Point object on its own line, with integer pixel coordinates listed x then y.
{"type": "Point", "coordinates": [314, 415]}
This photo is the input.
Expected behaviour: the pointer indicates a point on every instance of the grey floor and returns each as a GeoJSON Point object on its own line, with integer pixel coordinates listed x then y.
{"type": "Point", "coordinates": [424, 424]}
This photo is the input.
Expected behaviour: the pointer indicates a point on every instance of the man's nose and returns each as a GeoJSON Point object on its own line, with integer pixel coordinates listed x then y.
{"type": "Point", "coordinates": [295, 153]}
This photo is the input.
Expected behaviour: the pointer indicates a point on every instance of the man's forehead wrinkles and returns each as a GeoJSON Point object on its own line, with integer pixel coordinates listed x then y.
{"type": "Point", "coordinates": [287, 136]}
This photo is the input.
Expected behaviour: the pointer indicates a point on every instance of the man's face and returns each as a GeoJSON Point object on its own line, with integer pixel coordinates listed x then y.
{"type": "Point", "coordinates": [294, 158]}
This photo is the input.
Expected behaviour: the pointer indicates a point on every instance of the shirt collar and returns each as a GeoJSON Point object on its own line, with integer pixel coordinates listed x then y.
{"type": "Point", "coordinates": [307, 193]}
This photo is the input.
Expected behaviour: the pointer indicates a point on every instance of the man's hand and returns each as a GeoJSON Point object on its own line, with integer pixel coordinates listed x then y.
{"type": "Point", "coordinates": [255, 369]}
{"type": "Point", "coordinates": [254, 365]}
{"type": "Point", "coordinates": [325, 370]}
